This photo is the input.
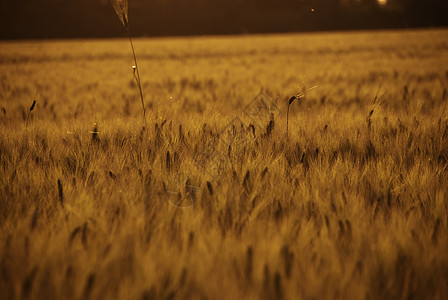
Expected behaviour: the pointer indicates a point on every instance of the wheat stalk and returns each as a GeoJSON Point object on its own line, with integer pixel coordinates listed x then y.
{"type": "Point", "coordinates": [299, 95]}
{"type": "Point", "coordinates": [121, 9]}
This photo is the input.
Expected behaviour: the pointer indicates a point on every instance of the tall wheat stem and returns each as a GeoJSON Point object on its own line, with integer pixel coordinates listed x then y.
{"type": "Point", "coordinates": [121, 9]}
{"type": "Point", "coordinates": [137, 78]}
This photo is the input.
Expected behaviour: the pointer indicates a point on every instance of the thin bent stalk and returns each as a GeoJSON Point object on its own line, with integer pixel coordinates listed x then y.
{"type": "Point", "coordinates": [298, 96]}
{"type": "Point", "coordinates": [121, 9]}
{"type": "Point", "coordinates": [137, 78]}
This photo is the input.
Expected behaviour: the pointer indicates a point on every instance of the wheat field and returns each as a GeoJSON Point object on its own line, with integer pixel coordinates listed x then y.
{"type": "Point", "coordinates": [211, 196]}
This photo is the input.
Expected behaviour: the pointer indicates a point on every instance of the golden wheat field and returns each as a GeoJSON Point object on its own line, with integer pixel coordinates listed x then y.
{"type": "Point", "coordinates": [212, 195]}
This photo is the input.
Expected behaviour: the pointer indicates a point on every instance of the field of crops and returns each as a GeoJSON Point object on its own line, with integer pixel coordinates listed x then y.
{"type": "Point", "coordinates": [229, 188]}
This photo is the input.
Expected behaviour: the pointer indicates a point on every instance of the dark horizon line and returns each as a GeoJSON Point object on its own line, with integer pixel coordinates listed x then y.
{"type": "Point", "coordinates": [228, 34]}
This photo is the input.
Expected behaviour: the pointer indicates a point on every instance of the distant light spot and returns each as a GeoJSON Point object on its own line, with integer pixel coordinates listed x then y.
{"type": "Point", "coordinates": [382, 2]}
{"type": "Point", "coordinates": [312, 10]}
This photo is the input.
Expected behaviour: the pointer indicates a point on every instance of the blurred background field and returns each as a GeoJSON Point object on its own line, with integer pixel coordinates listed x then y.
{"type": "Point", "coordinates": [96, 202]}
{"type": "Point", "coordinates": [86, 77]}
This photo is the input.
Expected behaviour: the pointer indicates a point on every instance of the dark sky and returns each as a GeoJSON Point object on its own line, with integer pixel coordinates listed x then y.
{"type": "Point", "coordinates": [96, 18]}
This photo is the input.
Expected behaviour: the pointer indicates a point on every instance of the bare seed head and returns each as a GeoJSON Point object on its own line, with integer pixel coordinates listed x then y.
{"type": "Point", "coordinates": [121, 9]}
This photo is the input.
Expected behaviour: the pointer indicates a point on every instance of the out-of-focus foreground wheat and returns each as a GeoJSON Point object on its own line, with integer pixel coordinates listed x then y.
{"type": "Point", "coordinates": [353, 205]}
